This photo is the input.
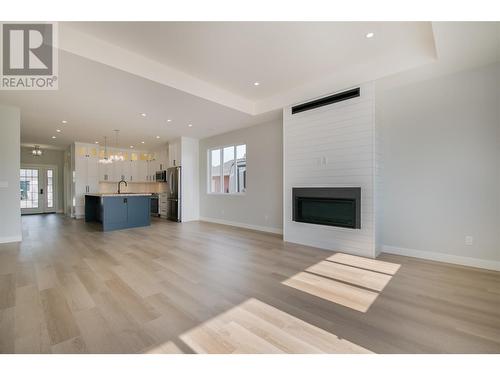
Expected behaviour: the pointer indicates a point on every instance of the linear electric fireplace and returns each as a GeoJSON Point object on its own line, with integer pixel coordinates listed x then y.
{"type": "Point", "coordinates": [337, 207]}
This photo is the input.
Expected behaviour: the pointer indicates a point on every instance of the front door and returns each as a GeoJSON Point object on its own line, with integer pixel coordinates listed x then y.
{"type": "Point", "coordinates": [37, 185]}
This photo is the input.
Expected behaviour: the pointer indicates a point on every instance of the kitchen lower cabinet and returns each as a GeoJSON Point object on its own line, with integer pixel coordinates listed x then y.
{"type": "Point", "coordinates": [118, 212]}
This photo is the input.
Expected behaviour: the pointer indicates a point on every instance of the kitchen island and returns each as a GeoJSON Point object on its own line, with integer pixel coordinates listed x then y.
{"type": "Point", "coordinates": [118, 211]}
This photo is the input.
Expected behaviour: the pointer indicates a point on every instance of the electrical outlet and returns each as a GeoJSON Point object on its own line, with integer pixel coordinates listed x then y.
{"type": "Point", "coordinates": [469, 240]}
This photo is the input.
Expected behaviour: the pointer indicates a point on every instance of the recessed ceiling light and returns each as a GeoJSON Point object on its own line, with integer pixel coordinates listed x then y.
{"type": "Point", "coordinates": [256, 83]}
{"type": "Point", "coordinates": [143, 142]}
{"type": "Point", "coordinates": [157, 137]}
{"type": "Point", "coordinates": [54, 137]}
{"type": "Point", "coordinates": [131, 146]}
{"type": "Point", "coordinates": [58, 130]}
{"type": "Point", "coordinates": [190, 125]}
{"type": "Point", "coordinates": [370, 35]}
{"type": "Point", "coordinates": [96, 142]}
{"type": "Point", "coordinates": [143, 114]}
{"type": "Point", "coordinates": [169, 120]}
{"type": "Point", "coordinates": [64, 121]}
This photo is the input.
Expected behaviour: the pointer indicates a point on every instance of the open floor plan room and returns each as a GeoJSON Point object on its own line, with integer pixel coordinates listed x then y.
{"type": "Point", "coordinates": [250, 188]}
{"type": "Point", "coordinates": [209, 288]}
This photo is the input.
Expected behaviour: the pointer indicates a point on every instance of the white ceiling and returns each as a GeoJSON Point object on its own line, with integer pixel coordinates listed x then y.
{"type": "Point", "coordinates": [95, 99]}
{"type": "Point", "coordinates": [279, 55]}
{"type": "Point", "coordinates": [203, 73]}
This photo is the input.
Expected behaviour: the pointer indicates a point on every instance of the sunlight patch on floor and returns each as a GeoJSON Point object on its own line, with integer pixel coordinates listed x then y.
{"type": "Point", "coordinates": [357, 276]}
{"type": "Point", "coordinates": [366, 263]}
{"type": "Point", "coordinates": [256, 327]}
{"type": "Point", "coordinates": [348, 280]}
{"type": "Point", "coordinates": [166, 348]}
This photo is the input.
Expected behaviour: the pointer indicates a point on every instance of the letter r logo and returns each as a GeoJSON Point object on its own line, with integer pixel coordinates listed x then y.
{"type": "Point", "coordinates": [27, 49]}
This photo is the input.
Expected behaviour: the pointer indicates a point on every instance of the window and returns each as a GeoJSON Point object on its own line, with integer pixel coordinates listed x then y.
{"type": "Point", "coordinates": [227, 173]}
{"type": "Point", "coordinates": [50, 189]}
{"type": "Point", "coordinates": [29, 188]}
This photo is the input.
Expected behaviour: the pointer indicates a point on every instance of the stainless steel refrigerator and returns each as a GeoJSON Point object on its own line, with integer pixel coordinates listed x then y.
{"type": "Point", "coordinates": [174, 197]}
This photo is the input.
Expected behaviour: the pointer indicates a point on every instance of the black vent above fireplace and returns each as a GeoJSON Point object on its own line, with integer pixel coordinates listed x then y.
{"type": "Point", "coordinates": [338, 207]}
{"type": "Point", "coordinates": [327, 100]}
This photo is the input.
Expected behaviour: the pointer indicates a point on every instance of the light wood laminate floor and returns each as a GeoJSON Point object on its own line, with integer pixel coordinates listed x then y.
{"type": "Point", "coordinates": [206, 288]}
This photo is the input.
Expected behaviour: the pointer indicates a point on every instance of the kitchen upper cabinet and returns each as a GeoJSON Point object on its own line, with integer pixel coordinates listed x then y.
{"type": "Point", "coordinates": [152, 167]}
{"type": "Point", "coordinates": [174, 153]}
{"type": "Point", "coordinates": [134, 171]}
{"type": "Point", "coordinates": [116, 170]}
{"type": "Point", "coordinates": [162, 158]}
{"type": "Point", "coordinates": [142, 168]}
{"type": "Point", "coordinates": [137, 166]}
{"type": "Point", "coordinates": [125, 172]}
{"type": "Point", "coordinates": [105, 172]}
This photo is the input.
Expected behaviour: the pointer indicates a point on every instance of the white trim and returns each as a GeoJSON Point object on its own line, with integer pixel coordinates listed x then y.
{"type": "Point", "coordinates": [55, 187]}
{"type": "Point", "coordinates": [221, 155]}
{"type": "Point", "coordinates": [228, 194]}
{"type": "Point", "coordinates": [242, 225]}
{"type": "Point", "coordinates": [11, 239]}
{"type": "Point", "coordinates": [442, 257]}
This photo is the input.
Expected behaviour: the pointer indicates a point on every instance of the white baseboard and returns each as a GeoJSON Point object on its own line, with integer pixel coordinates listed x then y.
{"type": "Point", "coordinates": [187, 220]}
{"type": "Point", "coordinates": [243, 225]}
{"type": "Point", "coordinates": [442, 257]}
{"type": "Point", "coordinates": [11, 239]}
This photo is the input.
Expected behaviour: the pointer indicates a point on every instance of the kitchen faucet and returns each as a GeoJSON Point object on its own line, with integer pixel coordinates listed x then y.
{"type": "Point", "coordinates": [119, 184]}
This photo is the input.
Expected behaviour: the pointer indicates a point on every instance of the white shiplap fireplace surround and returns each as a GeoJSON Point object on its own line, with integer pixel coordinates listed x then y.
{"type": "Point", "coordinates": [334, 146]}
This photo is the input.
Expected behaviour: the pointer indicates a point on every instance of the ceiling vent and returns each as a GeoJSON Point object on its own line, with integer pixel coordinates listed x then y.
{"type": "Point", "coordinates": [327, 100]}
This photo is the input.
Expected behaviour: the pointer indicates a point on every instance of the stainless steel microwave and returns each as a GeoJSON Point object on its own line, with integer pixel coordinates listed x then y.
{"type": "Point", "coordinates": [161, 176]}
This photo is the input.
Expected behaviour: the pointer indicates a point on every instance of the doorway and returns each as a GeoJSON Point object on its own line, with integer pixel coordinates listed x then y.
{"type": "Point", "coordinates": [38, 185]}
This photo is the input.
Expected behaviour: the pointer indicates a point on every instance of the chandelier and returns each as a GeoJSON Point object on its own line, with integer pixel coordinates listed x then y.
{"type": "Point", "coordinates": [105, 159]}
{"type": "Point", "coordinates": [116, 156]}
{"type": "Point", "coordinates": [36, 151]}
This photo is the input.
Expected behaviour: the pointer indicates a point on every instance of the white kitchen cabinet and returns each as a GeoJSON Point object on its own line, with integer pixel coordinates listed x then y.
{"type": "Point", "coordinates": [142, 168]}
{"type": "Point", "coordinates": [153, 167]}
{"type": "Point", "coordinates": [116, 171]}
{"type": "Point", "coordinates": [105, 172]}
{"type": "Point", "coordinates": [125, 172]}
{"type": "Point", "coordinates": [163, 205]}
{"type": "Point", "coordinates": [137, 166]}
{"type": "Point", "coordinates": [134, 171]}
{"type": "Point", "coordinates": [86, 174]}
{"type": "Point", "coordinates": [162, 158]}
{"type": "Point", "coordinates": [174, 153]}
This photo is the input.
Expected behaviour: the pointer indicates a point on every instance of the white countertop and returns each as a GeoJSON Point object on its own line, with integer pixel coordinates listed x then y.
{"type": "Point", "coordinates": [119, 195]}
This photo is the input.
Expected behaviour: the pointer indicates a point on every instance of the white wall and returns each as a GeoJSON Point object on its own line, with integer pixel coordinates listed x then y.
{"type": "Point", "coordinates": [48, 157]}
{"type": "Point", "coordinates": [261, 206]}
{"type": "Point", "coordinates": [441, 143]}
{"type": "Point", "coordinates": [10, 215]}
{"type": "Point", "coordinates": [343, 135]}
{"type": "Point", "coordinates": [190, 171]}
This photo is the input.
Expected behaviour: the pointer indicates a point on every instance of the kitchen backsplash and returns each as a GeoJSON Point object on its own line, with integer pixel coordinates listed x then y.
{"type": "Point", "coordinates": [134, 187]}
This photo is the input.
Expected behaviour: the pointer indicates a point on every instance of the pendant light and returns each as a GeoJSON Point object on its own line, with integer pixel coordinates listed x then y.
{"type": "Point", "coordinates": [36, 151]}
{"type": "Point", "coordinates": [116, 156]}
{"type": "Point", "coordinates": [105, 159]}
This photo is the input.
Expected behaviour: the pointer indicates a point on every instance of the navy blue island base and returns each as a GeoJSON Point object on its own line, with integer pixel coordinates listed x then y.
{"type": "Point", "coordinates": [115, 211]}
